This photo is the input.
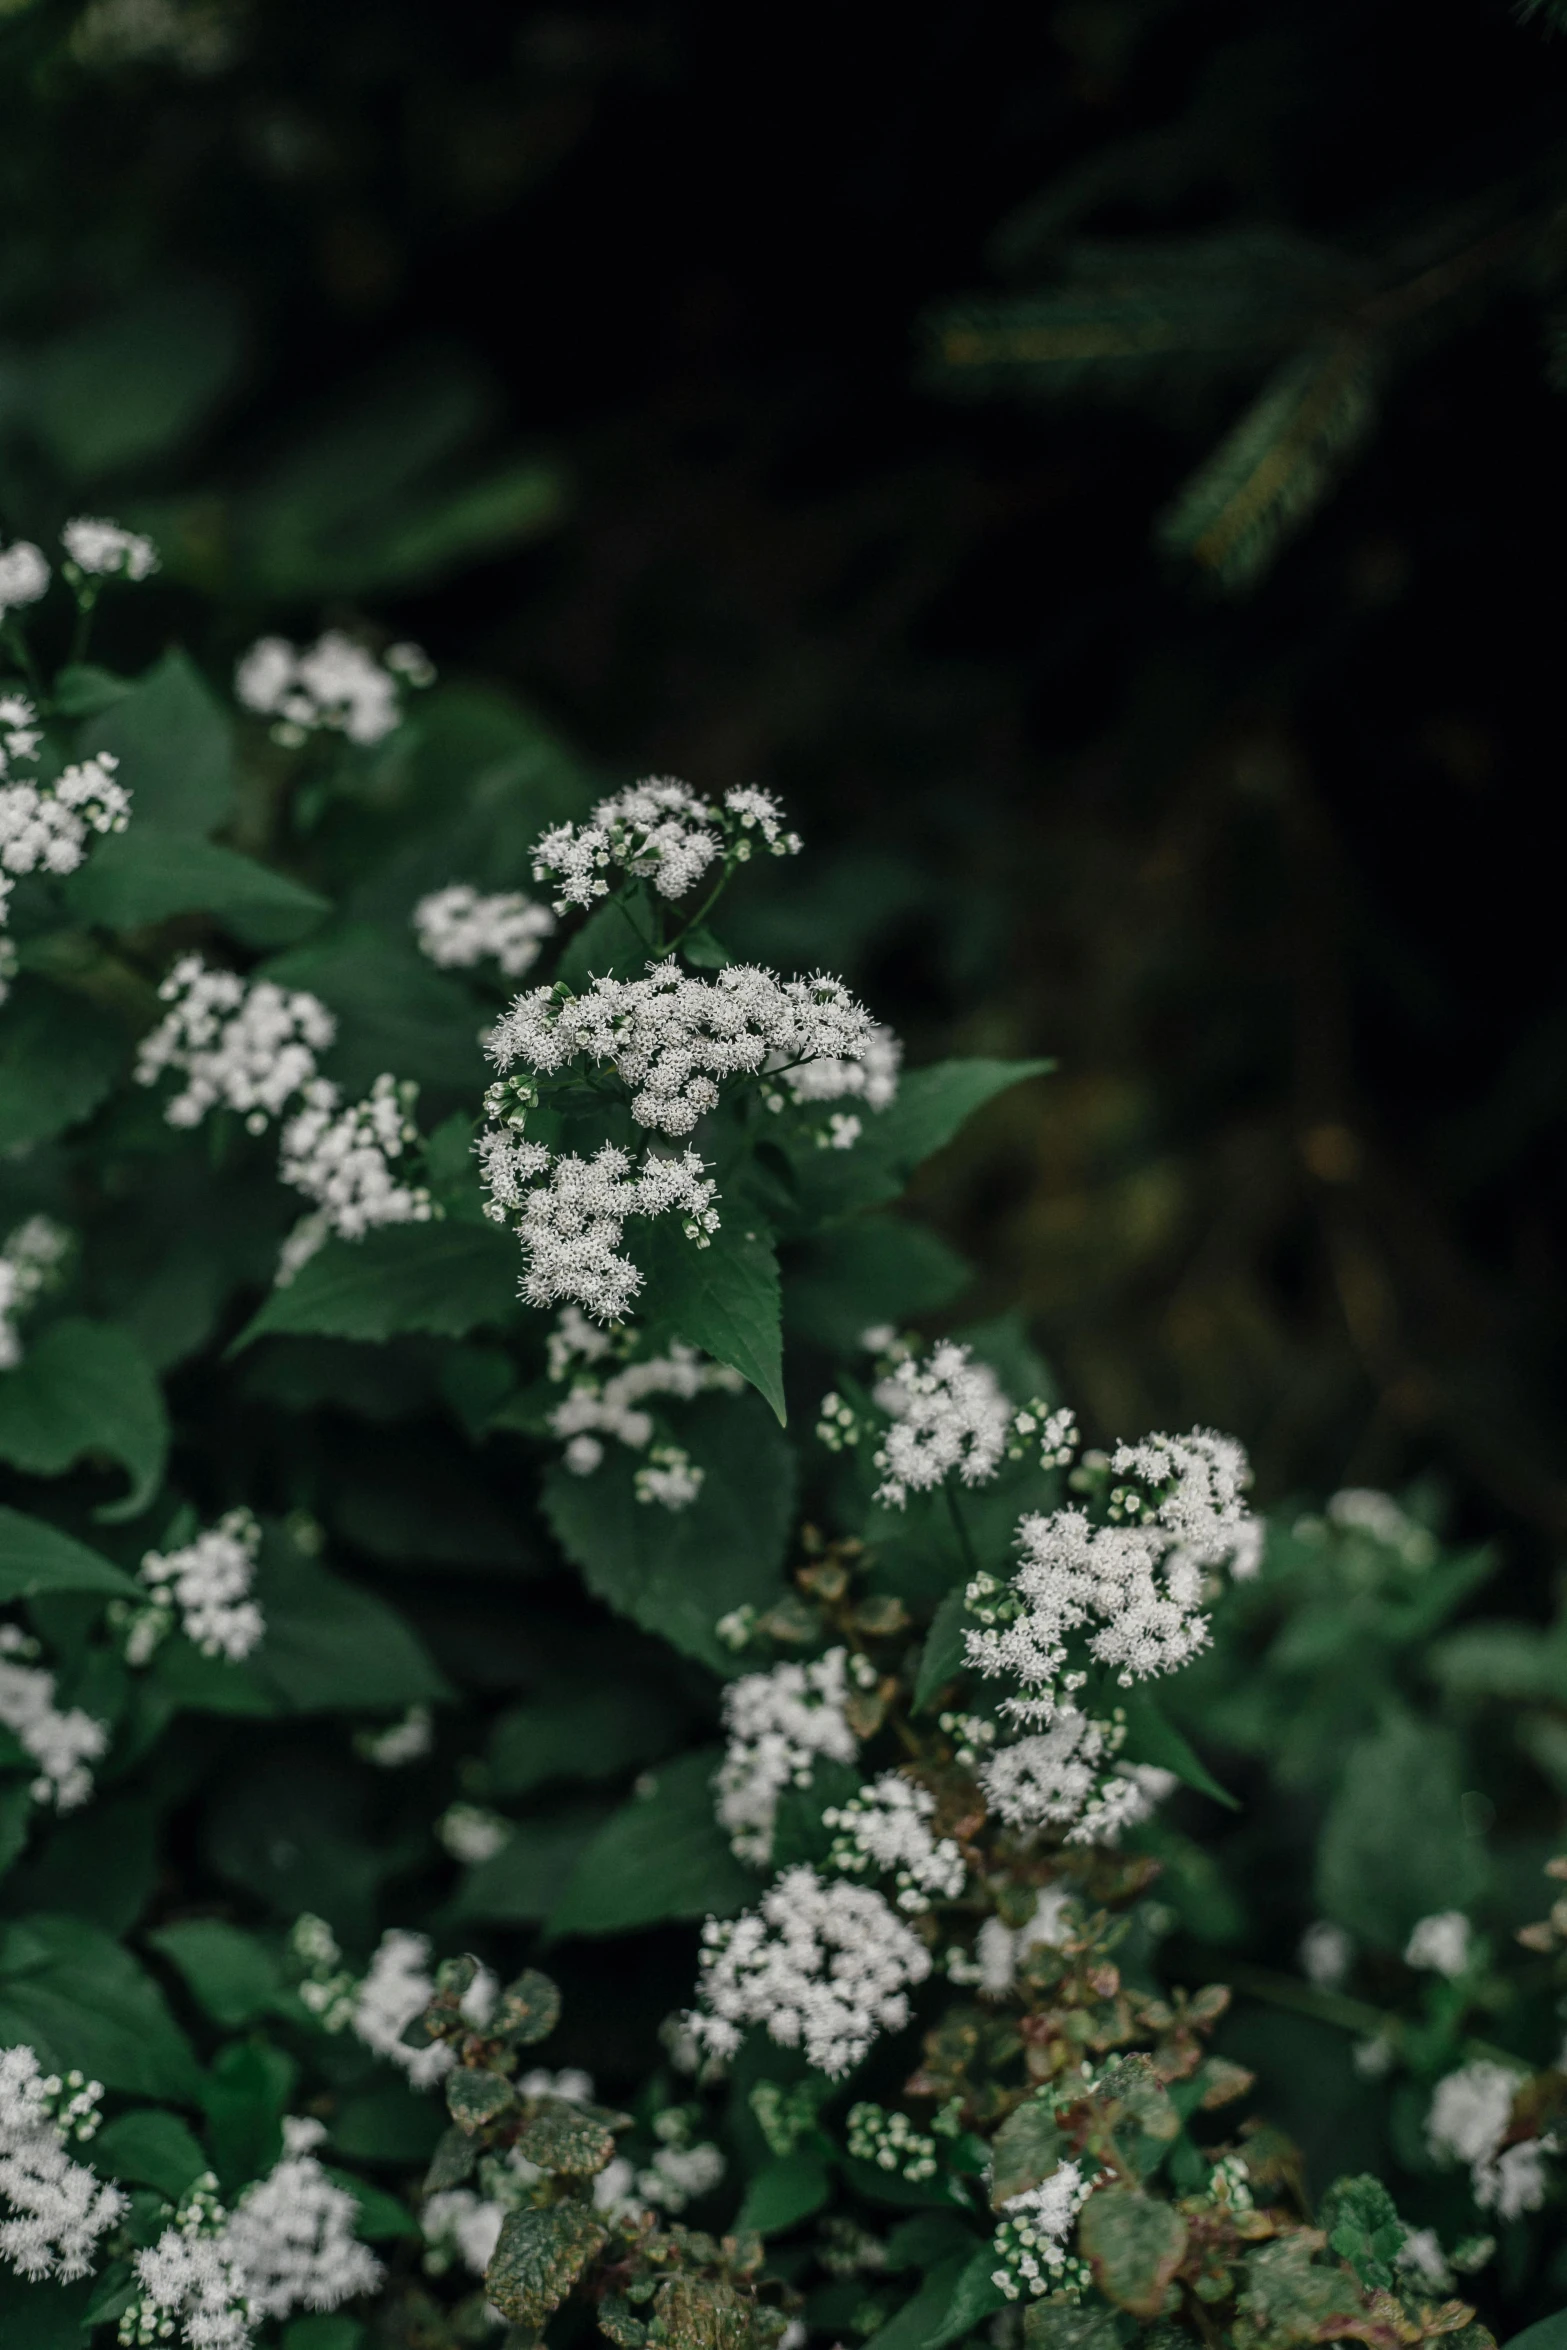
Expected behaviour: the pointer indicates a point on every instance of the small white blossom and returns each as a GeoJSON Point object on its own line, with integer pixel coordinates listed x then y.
{"type": "Point", "coordinates": [1422, 2255]}
{"type": "Point", "coordinates": [334, 684]}
{"type": "Point", "coordinates": [60, 1744]}
{"type": "Point", "coordinates": [1135, 1588]}
{"type": "Point", "coordinates": [891, 2142]}
{"type": "Point", "coordinates": [401, 1742]}
{"type": "Point", "coordinates": [1470, 2116]}
{"type": "Point", "coordinates": [24, 575]}
{"type": "Point", "coordinates": [1000, 1950]}
{"type": "Point", "coordinates": [1362, 1510]}
{"type": "Point", "coordinates": [103, 550]}
{"type": "Point", "coordinates": [56, 2209]}
{"type": "Point", "coordinates": [679, 2174]}
{"type": "Point", "coordinates": [47, 827]}
{"type": "Point", "coordinates": [659, 831]}
{"type": "Point", "coordinates": [1326, 1954]}
{"type": "Point", "coordinates": [208, 1582]}
{"type": "Point", "coordinates": [460, 2224]}
{"type": "Point", "coordinates": [31, 1256]}
{"type": "Point", "coordinates": [244, 1045]}
{"type": "Point", "coordinates": [669, 1478]}
{"type": "Point", "coordinates": [398, 1987]}
{"type": "Point", "coordinates": [948, 1413]}
{"type": "Point", "coordinates": [342, 1159]}
{"type": "Point", "coordinates": [610, 1405]}
{"type": "Point", "coordinates": [1030, 2242]}
{"type": "Point", "coordinates": [457, 928]}
{"type": "Point", "coordinates": [871, 1078]}
{"type": "Point", "coordinates": [1066, 1777]}
{"type": "Point", "coordinates": [572, 1225]}
{"type": "Point", "coordinates": [1440, 1942]}
{"type": "Point", "coordinates": [778, 1724]}
{"type": "Point", "coordinates": [674, 1038]}
{"type": "Point", "coordinates": [472, 1835]}
{"type": "Point", "coordinates": [821, 1967]}
{"type": "Point", "coordinates": [886, 1829]}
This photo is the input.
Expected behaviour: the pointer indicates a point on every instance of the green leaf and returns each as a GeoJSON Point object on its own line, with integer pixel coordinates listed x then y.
{"type": "Point", "coordinates": [174, 741]}
{"type": "Point", "coordinates": [323, 2332]}
{"type": "Point", "coordinates": [150, 2149]}
{"type": "Point", "coordinates": [520, 1884]}
{"type": "Point", "coordinates": [564, 2139]}
{"type": "Point", "coordinates": [1152, 1738]}
{"type": "Point", "coordinates": [876, 1269]}
{"type": "Point", "coordinates": [1026, 2149]}
{"type": "Point", "coordinates": [392, 2124]}
{"type": "Point", "coordinates": [48, 2316]}
{"type": "Point", "coordinates": [723, 1298]}
{"type": "Point", "coordinates": [1066, 2325]}
{"type": "Point", "coordinates": [785, 2193]}
{"type": "Point", "coordinates": [331, 1647]}
{"type": "Point", "coordinates": [942, 1655]}
{"type": "Point", "coordinates": [35, 1558]}
{"type": "Point", "coordinates": [137, 379]}
{"type": "Point", "coordinates": [1134, 2244]}
{"type": "Point", "coordinates": [931, 1108]}
{"type": "Point", "coordinates": [915, 2320]}
{"type": "Point", "coordinates": [379, 2218]}
{"type": "Point", "coordinates": [230, 1972]}
{"type": "Point", "coordinates": [1395, 1847]}
{"type": "Point", "coordinates": [539, 2258]}
{"type": "Point", "coordinates": [393, 1010]}
{"type": "Point", "coordinates": [245, 2097]}
{"type": "Point", "coordinates": [1547, 2333]}
{"type": "Point", "coordinates": [444, 1279]}
{"type": "Point", "coordinates": [145, 874]}
{"type": "Point", "coordinates": [975, 2296]}
{"type": "Point", "coordinates": [16, 1814]}
{"type": "Point", "coordinates": [101, 1863]}
{"type": "Point", "coordinates": [475, 2097]}
{"type": "Point", "coordinates": [676, 1572]}
{"type": "Point", "coordinates": [71, 1991]}
{"type": "Point", "coordinates": [663, 1856]}
{"type": "Point", "coordinates": [59, 1058]}
{"type": "Point", "coordinates": [86, 1388]}
{"type": "Point", "coordinates": [596, 1734]}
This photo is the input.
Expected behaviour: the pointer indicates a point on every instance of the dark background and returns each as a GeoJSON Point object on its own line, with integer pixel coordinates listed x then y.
{"type": "Point", "coordinates": [1269, 866]}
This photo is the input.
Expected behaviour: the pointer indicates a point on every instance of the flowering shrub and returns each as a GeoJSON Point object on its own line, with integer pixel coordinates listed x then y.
{"type": "Point", "coordinates": [464, 1576]}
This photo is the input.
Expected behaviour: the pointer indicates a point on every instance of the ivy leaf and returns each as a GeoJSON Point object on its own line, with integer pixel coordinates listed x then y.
{"type": "Point", "coordinates": [663, 1856]}
{"type": "Point", "coordinates": [145, 874]}
{"type": "Point", "coordinates": [83, 1388]}
{"type": "Point", "coordinates": [37, 1558]}
{"type": "Point", "coordinates": [444, 1279]}
{"type": "Point", "coordinates": [150, 2148]}
{"type": "Point", "coordinates": [1134, 2245]}
{"type": "Point", "coordinates": [723, 1298]}
{"type": "Point", "coordinates": [675, 1572]}
{"type": "Point", "coordinates": [785, 2193]}
{"type": "Point", "coordinates": [1152, 1738]}
{"type": "Point", "coordinates": [539, 2258]}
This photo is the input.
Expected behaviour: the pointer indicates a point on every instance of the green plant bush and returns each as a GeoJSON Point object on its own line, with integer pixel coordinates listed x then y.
{"type": "Point", "coordinates": [503, 1615]}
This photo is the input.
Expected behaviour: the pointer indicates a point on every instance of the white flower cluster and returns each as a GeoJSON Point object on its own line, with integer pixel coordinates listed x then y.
{"type": "Point", "coordinates": [19, 734]}
{"type": "Point", "coordinates": [334, 684]}
{"type": "Point", "coordinates": [31, 1255]}
{"type": "Point", "coordinates": [457, 928]}
{"type": "Point", "coordinates": [471, 1834]}
{"type": "Point", "coordinates": [948, 1413]}
{"type": "Point", "coordinates": [1326, 1954]}
{"type": "Point", "coordinates": [891, 2142]}
{"type": "Point", "coordinates": [289, 2244]}
{"type": "Point", "coordinates": [824, 1967]}
{"type": "Point", "coordinates": [1361, 1509]}
{"type": "Point", "coordinates": [1001, 1950]}
{"type": "Point", "coordinates": [610, 1405]}
{"type": "Point", "coordinates": [60, 1744]}
{"type": "Point", "coordinates": [24, 575]}
{"type": "Point", "coordinates": [208, 1584]}
{"type": "Point", "coordinates": [778, 1724]}
{"type": "Point", "coordinates": [1031, 2241]}
{"type": "Point", "coordinates": [56, 2208]}
{"type": "Point", "coordinates": [397, 1987]}
{"type": "Point", "coordinates": [1440, 1943]}
{"type": "Point", "coordinates": [674, 1037]}
{"type": "Point", "coordinates": [659, 831]}
{"type": "Point", "coordinates": [407, 1740]}
{"type": "Point", "coordinates": [342, 1159]}
{"type": "Point", "coordinates": [571, 1225]}
{"type": "Point", "coordinates": [1136, 1586]}
{"type": "Point", "coordinates": [1471, 2114]}
{"type": "Point", "coordinates": [46, 827]}
{"type": "Point", "coordinates": [681, 2169]}
{"type": "Point", "coordinates": [886, 1829]}
{"type": "Point", "coordinates": [1066, 1777]}
{"type": "Point", "coordinates": [872, 1079]}
{"type": "Point", "coordinates": [245, 1045]}
{"type": "Point", "coordinates": [104, 550]}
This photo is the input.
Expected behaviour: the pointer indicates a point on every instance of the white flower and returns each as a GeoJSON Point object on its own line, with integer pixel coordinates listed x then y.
{"type": "Point", "coordinates": [1066, 1777]}
{"type": "Point", "coordinates": [886, 1828]}
{"type": "Point", "coordinates": [1422, 2255]}
{"type": "Point", "coordinates": [872, 1078]}
{"type": "Point", "coordinates": [60, 1744]}
{"type": "Point", "coordinates": [1135, 1588]}
{"type": "Point", "coordinates": [674, 1038]}
{"type": "Point", "coordinates": [999, 1950]}
{"type": "Point", "coordinates": [1440, 1942]}
{"type": "Point", "coordinates": [105, 551]}
{"type": "Point", "coordinates": [822, 1967]}
{"type": "Point", "coordinates": [405, 1741]}
{"type": "Point", "coordinates": [56, 2208]}
{"type": "Point", "coordinates": [778, 1722]}
{"type": "Point", "coordinates": [471, 1835]}
{"type": "Point", "coordinates": [457, 928]}
{"type": "Point", "coordinates": [245, 1045]}
{"type": "Point", "coordinates": [1470, 2116]}
{"type": "Point", "coordinates": [209, 1583]}
{"type": "Point", "coordinates": [342, 1159]}
{"type": "Point", "coordinates": [397, 1988]}
{"type": "Point", "coordinates": [24, 575]}
{"type": "Point", "coordinates": [1030, 2241]}
{"type": "Point", "coordinates": [659, 831]}
{"type": "Point", "coordinates": [46, 827]}
{"type": "Point", "coordinates": [947, 1412]}
{"type": "Point", "coordinates": [1326, 1954]}
{"type": "Point", "coordinates": [19, 733]}
{"type": "Point", "coordinates": [599, 1406]}
{"type": "Point", "coordinates": [334, 683]}
{"type": "Point", "coordinates": [669, 1477]}
{"type": "Point", "coordinates": [31, 1255]}
{"type": "Point", "coordinates": [1362, 1510]}
{"type": "Point", "coordinates": [571, 1226]}
{"type": "Point", "coordinates": [459, 2224]}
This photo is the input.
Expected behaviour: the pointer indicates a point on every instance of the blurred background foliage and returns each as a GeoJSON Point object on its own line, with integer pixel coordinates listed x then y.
{"type": "Point", "coordinates": [1102, 464]}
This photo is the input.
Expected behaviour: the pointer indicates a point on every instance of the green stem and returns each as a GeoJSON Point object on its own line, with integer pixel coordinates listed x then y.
{"type": "Point", "coordinates": [700, 916]}
{"type": "Point", "coordinates": [83, 629]}
{"type": "Point", "coordinates": [964, 1544]}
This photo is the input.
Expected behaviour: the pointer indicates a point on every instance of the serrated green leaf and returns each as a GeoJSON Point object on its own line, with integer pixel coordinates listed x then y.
{"type": "Point", "coordinates": [564, 2139]}
{"type": "Point", "coordinates": [520, 1884]}
{"type": "Point", "coordinates": [475, 2097]}
{"type": "Point", "coordinates": [81, 2000]}
{"type": "Point", "coordinates": [174, 741]}
{"type": "Point", "coordinates": [147, 873]}
{"type": "Point", "coordinates": [724, 1298]}
{"type": "Point", "coordinates": [539, 2258]}
{"type": "Point", "coordinates": [596, 1734]}
{"type": "Point", "coordinates": [1152, 1738]}
{"type": "Point", "coordinates": [1134, 2244]}
{"type": "Point", "coordinates": [443, 1279]}
{"type": "Point", "coordinates": [36, 1557]}
{"type": "Point", "coordinates": [942, 1655]}
{"type": "Point", "coordinates": [85, 1389]}
{"type": "Point", "coordinates": [878, 1269]}
{"type": "Point", "coordinates": [662, 1856]}
{"type": "Point", "coordinates": [1395, 1846]}
{"type": "Point", "coordinates": [59, 1058]}
{"type": "Point", "coordinates": [1025, 2150]}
